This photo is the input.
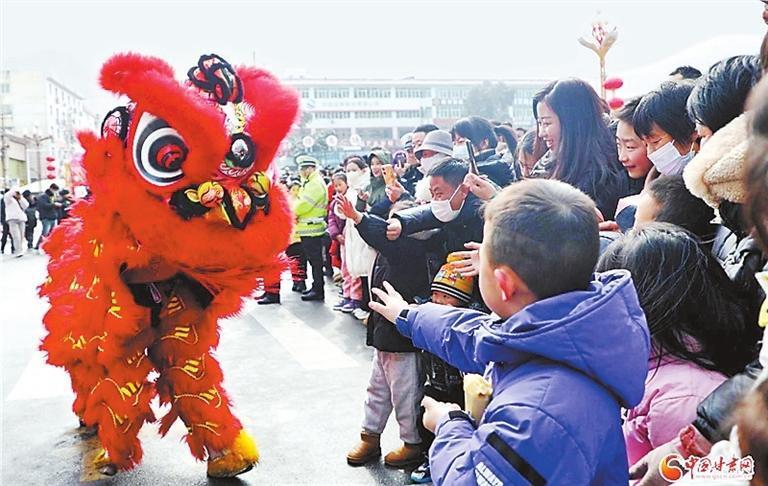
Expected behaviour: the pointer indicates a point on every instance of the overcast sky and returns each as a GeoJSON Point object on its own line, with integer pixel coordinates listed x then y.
{"type": "Point", "coordinates": [432, 39]}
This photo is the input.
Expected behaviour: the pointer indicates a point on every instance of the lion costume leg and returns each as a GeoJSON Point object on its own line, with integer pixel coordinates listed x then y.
{"type": "Point", "coordinates": [190, 381]}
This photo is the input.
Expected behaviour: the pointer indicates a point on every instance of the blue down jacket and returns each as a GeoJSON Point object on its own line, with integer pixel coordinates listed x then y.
{"type": "Point", "coordinates": [561, 370]}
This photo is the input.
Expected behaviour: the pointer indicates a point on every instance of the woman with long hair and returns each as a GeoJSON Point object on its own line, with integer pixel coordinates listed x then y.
{"type": "Point", "coordinates": [700, 333]}
{"type": "Point", "coordinates": [575, 144]}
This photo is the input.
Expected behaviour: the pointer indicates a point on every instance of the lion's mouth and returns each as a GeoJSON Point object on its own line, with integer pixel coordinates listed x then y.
{"type": "Point", "coordinates": [235, 205]}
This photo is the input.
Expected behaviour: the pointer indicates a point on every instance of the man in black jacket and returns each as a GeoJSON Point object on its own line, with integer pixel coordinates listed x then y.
{"type": "Point", "coordinates": [47, 208]}
{"type": "Point", "coordinates": [31, 212]}
{"type": "Point", "coordinates": [453, 214]}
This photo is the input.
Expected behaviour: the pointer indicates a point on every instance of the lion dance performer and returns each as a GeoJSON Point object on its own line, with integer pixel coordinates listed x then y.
{"type": "Point", "coordinates": [181, 223]}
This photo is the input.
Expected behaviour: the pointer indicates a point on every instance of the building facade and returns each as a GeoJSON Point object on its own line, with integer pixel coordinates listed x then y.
{"type": "Point", "coordinates": [46, 114]}
{"type": "Point", "coordinates": [381, 111]}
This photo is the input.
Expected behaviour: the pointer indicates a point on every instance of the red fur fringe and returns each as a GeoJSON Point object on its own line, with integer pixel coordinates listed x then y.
{"type": "Point", "coordinates": [95, 329]}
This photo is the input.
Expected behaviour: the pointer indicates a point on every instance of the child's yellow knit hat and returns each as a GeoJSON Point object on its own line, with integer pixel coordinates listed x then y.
{"type": "Point", "coordinates": [451, 282]}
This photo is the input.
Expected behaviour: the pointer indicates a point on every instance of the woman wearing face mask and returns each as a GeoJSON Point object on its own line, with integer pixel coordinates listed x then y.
{"type": "Point", "coordinates": [358, 256]}
{"type": "Point", "coordinates": [358, 173]}
{"type": "Point", "coordinates": [480, 133]}
{"type": "Point", "coordinates": [662, 121]}
{"type": "Point", "coordinates": [575, 145]}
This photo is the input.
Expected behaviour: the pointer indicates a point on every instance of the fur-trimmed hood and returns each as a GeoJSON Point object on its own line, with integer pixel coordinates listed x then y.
{"type": "Point", "coordinates": [716, 174]}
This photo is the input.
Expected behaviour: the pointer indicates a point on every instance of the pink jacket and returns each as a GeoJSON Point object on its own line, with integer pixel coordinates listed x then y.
{"type": "Point", "coordinates": [672, 393]}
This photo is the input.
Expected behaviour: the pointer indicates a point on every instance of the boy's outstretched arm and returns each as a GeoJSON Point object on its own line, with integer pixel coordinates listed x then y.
{"type": "Point", "coordinates": [450, 333]}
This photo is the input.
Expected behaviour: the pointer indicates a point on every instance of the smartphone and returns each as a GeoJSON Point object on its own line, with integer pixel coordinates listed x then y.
{"type": "Point", "coordinates": [389, 174]}
{"type": "Point", "coordinates": [472, 162]}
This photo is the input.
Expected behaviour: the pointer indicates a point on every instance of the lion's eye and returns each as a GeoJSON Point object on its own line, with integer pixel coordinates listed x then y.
{"type": "Point", "coordinates": [242, 152]}
{"type": "Point", "coordinates": [158, 151]}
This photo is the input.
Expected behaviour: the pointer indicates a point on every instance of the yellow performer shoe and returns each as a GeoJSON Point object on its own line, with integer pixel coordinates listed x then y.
{"type": "Point", "coordinates": [239, 458]}
{"type": "Point", "coordinates": [102, 463]}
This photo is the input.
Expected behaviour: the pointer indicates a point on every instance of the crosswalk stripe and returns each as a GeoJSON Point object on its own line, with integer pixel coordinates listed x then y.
{"type": "Point", "coordinates": [307, 346]}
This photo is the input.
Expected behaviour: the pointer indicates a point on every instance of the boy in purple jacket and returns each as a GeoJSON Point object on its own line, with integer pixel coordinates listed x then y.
{"type": "Point", "coordinates": [569, 350]}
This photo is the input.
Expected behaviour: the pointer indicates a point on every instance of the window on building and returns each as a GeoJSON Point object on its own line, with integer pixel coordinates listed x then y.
{"type": "Point", "coordinates": [408, 114]}
{"type": "Point", "coordinates": [523, 96]}
{"type": "Point", "coordinates": [373, 93]}
{"type": "Point", "coordinates": [331, 115]}
{"type": "Point", "coordinates": [412, 92]}
{"type": "Point", "coordinates": [304, 92]}
{"type": "Point", "coordinates": [379, 114]}
{"type": "Point", "coordinates": [331, 92]}
{"type": "Point", "coordinates": [451, 93]}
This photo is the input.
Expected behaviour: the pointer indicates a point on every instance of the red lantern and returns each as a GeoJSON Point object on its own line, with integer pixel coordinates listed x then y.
{"type": "Point", "coordinates": [50, 158]}
{"type": "Point", "coordinates": [615, 103]}
{"type": "Point", "coordinates": [613, 83]}
{"type": "Point", "coordinates": [50, 167]}
{"type": "Point", "coordinates": [51, 176]}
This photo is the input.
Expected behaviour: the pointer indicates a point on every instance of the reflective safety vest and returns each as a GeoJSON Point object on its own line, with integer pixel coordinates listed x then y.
{"type": "Point", "coordinates": [311, 207]}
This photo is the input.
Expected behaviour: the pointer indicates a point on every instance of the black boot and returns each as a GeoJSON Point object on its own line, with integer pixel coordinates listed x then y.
{"type": "Point", "coordinates": [299, 287]}
{"type": "Point", "coordinates": [269, 298]}
{"type": "Point", "coordinates": [312, 296]}
{"type": "Point", "coordinates": [306, 292]}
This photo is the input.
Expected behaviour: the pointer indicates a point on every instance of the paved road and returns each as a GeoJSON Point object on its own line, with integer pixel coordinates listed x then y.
{"type": "Point", "coordinates": [297, 374]}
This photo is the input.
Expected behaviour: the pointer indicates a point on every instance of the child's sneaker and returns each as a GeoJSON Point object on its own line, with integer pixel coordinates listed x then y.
{"type": "Point", "coordinates": [422, 474]}
{"type": "Point", "coordinates": [340, 305]}
{"type": "Point", "coordinates": [350, 306]}
{"type": "Point", "coordinates": [360, 314]}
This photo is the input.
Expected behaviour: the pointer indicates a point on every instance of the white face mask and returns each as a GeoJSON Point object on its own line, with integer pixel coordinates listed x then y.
{"type": "Point", "coordinates": [428, 163]}
{"type": "Point", "coordinates": [668, 160]}
{"type": "Point", "coordinates": [359, 180]}
{"type": "Point", "coordinates": [460, 152]}
{"type": "Point", "coordinates": [443, 210]}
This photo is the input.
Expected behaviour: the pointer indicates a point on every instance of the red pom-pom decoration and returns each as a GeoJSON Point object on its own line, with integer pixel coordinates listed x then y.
{"type": "Point", "coordinates": [615, 103]}
{"type": "Point", "coordinates": [613, 83]}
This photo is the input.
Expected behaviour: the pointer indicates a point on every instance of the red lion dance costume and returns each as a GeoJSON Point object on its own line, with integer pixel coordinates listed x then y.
{"type": "Point", "coordinates": [181, 224]}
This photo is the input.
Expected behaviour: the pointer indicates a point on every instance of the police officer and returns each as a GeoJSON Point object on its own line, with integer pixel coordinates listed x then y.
{"type": "Point", "coordinates": [311, 210]}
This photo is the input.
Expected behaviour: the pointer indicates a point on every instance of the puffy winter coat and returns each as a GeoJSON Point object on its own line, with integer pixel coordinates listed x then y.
{"type": "Point", "coordinates": [403, 264]}
{"type": "Point", "coordinates": [45, 207]}
{"type": "Point", "coordinates": [561, 370]}
{"type": "Point", "coordinates": [14, 208]}
{"type": "Point", "coordinates": [311, 206]}
{"type": "Point", "coordinates": [335, 223]}
{"type": "Point", "coordinates": [673, 390]}
{"type": "Point", "coordinates": [489, 163]}
{"type": "Point", "coordinates": [468, 226]}
{"type": "Point", "coordinates": [357, 254]}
